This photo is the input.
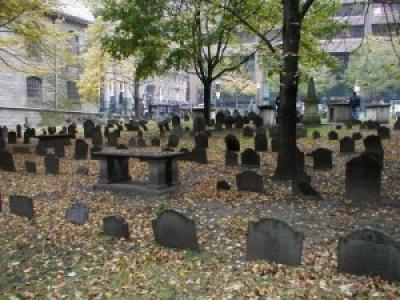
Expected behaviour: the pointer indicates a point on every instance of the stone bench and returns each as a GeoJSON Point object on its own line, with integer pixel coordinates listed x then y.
{"type": "Point", "coordinates": [114, 171]}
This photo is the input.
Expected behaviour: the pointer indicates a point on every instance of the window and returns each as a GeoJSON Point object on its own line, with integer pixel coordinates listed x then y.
{"type": "Point", "coordinates": [34, 88]}
{"type": "Point", "coordinates": [384, 29]}
{"type": "Point", "coordinates": [72, 91]}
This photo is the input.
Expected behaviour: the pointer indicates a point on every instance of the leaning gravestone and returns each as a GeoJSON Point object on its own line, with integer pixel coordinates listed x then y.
{"type": "Point", "coordinates": [30, 167]}
{"type": "Point", "coordinates": [21, 206]}
{"type": "Point", "coordinates": [250, 158]}
{"type": "Point", "coordinates": [12, 137]}
{"type": "Point", "coordinates": [232, 143]}
{"type": "Point", "coordinates": [322, 159]}
{"type": "Point", "coordinates": [175, 230]}
{"type": "Point", "coordinates": [81, 149]}
{"type": "Point", "coordinates": [6, 161]}
{"type": "Point", "coordinates": [231, 159]}
{"type": "Point", "coordinates": [347, 145]}
{"type": "Point", "coordinates": [369, 252]}
{"type": "Point", "coordinates": [115, 226]}
{"type": "Point", "coordinates": [274, 240]}
{"type": "Point", "coordinates": [363, 179]}
{"type": "Point", "coordinates": [332, 136]}
{"type": "Point", "coordinates": [52, 164]}
{"type": "Point", "coordinates": [250, 181]}
{"type": "Point", "coordinates": [78, 214]}
{"type": "Point", "coordinates": [260, 143]}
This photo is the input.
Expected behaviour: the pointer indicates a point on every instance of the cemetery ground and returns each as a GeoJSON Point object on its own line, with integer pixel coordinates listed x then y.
{"type": "Point", "coordinates": [51, 258]}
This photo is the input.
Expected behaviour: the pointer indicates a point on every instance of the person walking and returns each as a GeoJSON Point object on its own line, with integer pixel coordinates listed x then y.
{"type": "Point", "coordinates": [355, 103]}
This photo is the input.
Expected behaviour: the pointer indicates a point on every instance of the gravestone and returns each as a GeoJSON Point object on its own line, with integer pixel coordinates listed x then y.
{"type": "Point", "coordinates": [231, 159]}
{"type": "Point", "coordinates": [88, 128]}
{"type": "Point", "coordinates": [162, 130]}
{"type": "Point", "coordinates": [6, 161]}
{"type": "Point", "coordinates": [232, 143]}
{"type": "Point", "coordinates": [199, 125]}
{"type": "Point", "coordinates": [248, 131]}
{"type": "Point", "coordinates": [175, 230]}
{"type": "Point", "coordinates": [59, 150]}
{"type": "Point", "coordinates": [155, 142]}
{"type": "Point", "coordinates": [260, 143]}
{"type": "Point", "coordinates": [316, 135]}
{"type": "Point", "coordinates": [322, 159]}
{"type": "Point", "coordinates": [250, 181]}
{"type": "Point", "coordinates": [223, 185]}
{"type": "Point", "coordinates": [333, 136]}
{"type": "Point", "coordinates": [115, 226]}
{"type": "Point", "coordinates": [356, 136]}
{"type": "Point", "coordinates": [173, 141]}
{"type": "Point", "coordinates": [21, 206]}
{"type": "Point", "coordinates": [178, 130]}
{"type": "Point", "coordinates": [77, 214]}
{"type": "Point", "coordinates": [347, 145]}
{"type": "Point", "coordinates": [301, 132]}
{"type": "Point", "coordinates": [274, 240]}
{"type": "Point", "coordinates": [52, 164]}
{"type": "Point", "coordinates": [363, 179]}
{"type": "Point", "coordinates": [258, 121]}
{"type": "Point", "coordinates": [141, 143]}
{"type": "Point", "coordinates": [97, 137]}
{"type": "Point", "coordinates": [82, 171]}
{"type": "Point", "coordinates": [176, 121]}
{"type": "Point", "coordinates": [373, 145]}
{"type": "Point", "coordinates": [199, 155]}
{"type": "Point", "coordinates": [72, 130]}
{"type": "Point", "coordinates": [132, 142]}
{"type": "Point", "coordinates": [93, 151]}
{"type": "Point", "coordinates": [250, 158]}
{"type": "Point", "coordinates": [369, 252]}
{"type": "Point", "coordinates": [81, 149]}
{"type": "Point", "coordinates": [12, 137]}
{"type": "Point", "coordinates": [201, 140]}
{"type": "Point", "coordinates": [275, 144]}
{"type": "Point", "coordinates": [113, 138]}
{"type": "Point", "coordinates": [30, 167]}
{"type": "Point", "coordinates": [19, 131]}
{"type": "Point", "coordinates": [41, 149]}
{"type": "Point", "coordinates": [383, 133]}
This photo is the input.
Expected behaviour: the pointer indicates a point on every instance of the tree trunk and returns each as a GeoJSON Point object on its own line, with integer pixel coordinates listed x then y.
{"type": "Point", "coordinates": [207, 101]}
{"type": "Point", "coordinates": [286, 168]}
{"type": "Point", "coordinates": [137, 99]}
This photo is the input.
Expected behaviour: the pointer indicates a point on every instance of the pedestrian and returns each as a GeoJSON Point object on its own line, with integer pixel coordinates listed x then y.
{"type": "Point", "coordinates": [355, 102]}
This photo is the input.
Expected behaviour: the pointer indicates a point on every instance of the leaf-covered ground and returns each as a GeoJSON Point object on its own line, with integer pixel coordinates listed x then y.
{"type": "Point", "coordinates": [53, 259]}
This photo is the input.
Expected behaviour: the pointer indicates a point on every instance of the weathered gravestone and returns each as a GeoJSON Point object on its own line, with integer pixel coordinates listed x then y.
{"type": "Point", "coordinates": [97, 137]}
{"type": "Point", "coordinates": [52, 164]}
{"type": "Point", "coordinates": [356, 136]}
{"type": "Point", "coordinates": [383, 133]}
{"type": "Point", "coordinates": [250, 158]}
{"type": "Point", "coordinates": [59, 150]}
{"type": "Point", "coordinates": [19, 131]}
{"type": "Point", "coordinates": [176, 121]}
{"type": "Point", "coordinates": [260, 143]}
{"type": "Point", "coordinates": [12, 137]}
{"type": "Point", "coordinates": [274, 240]}
{"type": "Point", "coordinates": [21, 206]}
{"type": "Point", "coordinates": [363, 179]}
{"type": "Point", "coordinates": [347, 145]}
{"type": "Point", "coordinates": [250, 181]}
{"type": "Point", "coordinates": [77, 214]}
{"type": "Point", "coordinates": [199, 155]}
{"type": "Point", "coordinates": [232, 143]}
{"type": "Point", "coordinates": [369, 252]}
{"type": "Point", "coordinates": [81, 149]}
{"type": "Point", "coordinates": [231, 158]}
{"type": "Point", "coordinates": [41, 148]}
{"type": "Point", "coordinates": [173, 141]}
{"type": "Point", "coordinates": [223, 185]}
{"type": "Point", "coordinates": [174, 230]}
{"type": "Point", "coordinates": [113, 138]}
{"type": "Point", "coordinates": [316, 135]}
{"type": "Point", "coordinates": [155, 142]}
{"type": "Point", "coordinates": [332, 136]}
{"type": "Point", "coordinates": [258, 121]}
{"type": "Point", "coordinates": [115, 226]}
{"type": "Point", "coordinates": [6, 161]}
{"type": "Point", "coordinates": [248, 131]}
{"type": "Point", "coordinates": [201, 140]}
{"type": "Point", "coordinates": [199, 125]}
{"type": "Point", "coordinates": [322, 159]}
{"type": "Point", "coordinates": [88, 128]}
{"type": "Point", "coordinates": [30, 167]}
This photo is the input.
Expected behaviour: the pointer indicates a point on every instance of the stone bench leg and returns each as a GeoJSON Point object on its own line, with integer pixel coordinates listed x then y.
{"type": "Point", "coordinates": [114, 170]}
{"type": "Point", "coordinates": [163, 172]}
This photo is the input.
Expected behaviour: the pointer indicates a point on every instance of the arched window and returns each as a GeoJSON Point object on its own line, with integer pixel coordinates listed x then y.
{"type": "Point", "coordinates": [72, 91]}
{"type": "Point", "coordinates": [34, 88]}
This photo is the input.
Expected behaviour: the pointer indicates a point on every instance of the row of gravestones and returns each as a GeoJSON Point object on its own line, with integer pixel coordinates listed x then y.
{"type": "Point", "coordinates": [363, 252]}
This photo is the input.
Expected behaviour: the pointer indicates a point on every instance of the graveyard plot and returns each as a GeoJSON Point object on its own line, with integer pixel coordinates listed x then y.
{"type": "Point", "coordinates": [50, 257]}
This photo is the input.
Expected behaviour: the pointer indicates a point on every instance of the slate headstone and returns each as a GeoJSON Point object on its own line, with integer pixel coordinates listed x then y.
{"type": "Point", "coordinates": [21, 206]}
{"type": "Point", "coordinates": [52, 164]}
{"type": "Point", "coordinates": [231, 159]}
{"type": "Point", "coordinates": [347, 145]}
{"type": "Point", "coordinates": [260, 143]}
{"type": "Point", "coordinates": [232, 143]}
{"type": "Point", "coordinates": [223, 185]}
{"type": "Point", "coordinates": [333, 136]}
{"type": "Point", "coordinates": [113, 138]}
{"type": "Point", "coordinates": [12, 137]}
{"type": "Point", "coordinates": [322, 159]}
{"type": "Point", "coordinates": [7, 161]}
{"type": "Point", "coordinates": [248, 131]}
{"type": "Point", "coordinates": [81, 149]}
{"type": "Point", "coordinates": [383, 133]}
{"type": "Point", "coordinates": [97, 137]}
{"type": "Point", "coordinates": [201, 140]}
{"type": "Point", "coordinates": [173, 141]}
{"type": "Point", "coordinates": [115, 226]}
{"type": "Point", "coordinates": [78, 214]}
{"type": "Point", "coordinates": [250, 181]}
{"type": "Point", "coordinates": [250, 158]}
